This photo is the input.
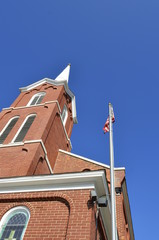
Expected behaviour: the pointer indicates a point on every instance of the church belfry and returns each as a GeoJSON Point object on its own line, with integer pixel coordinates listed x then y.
{"type": "Point", "coordinates": [36, 126]}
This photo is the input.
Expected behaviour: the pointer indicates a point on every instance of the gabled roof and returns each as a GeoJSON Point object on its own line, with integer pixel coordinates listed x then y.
{"type": "Point", "coordinates": [61, 79]}
{"type": "Point", "coordinates": [91, 161]}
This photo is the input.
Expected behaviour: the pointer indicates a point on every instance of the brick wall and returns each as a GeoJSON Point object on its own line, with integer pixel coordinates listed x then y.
{"type": "Point", "coordinates": [28, 159]}
{"type": "Point", "coordinates": [14, 161]}
{"type": "Point", "coordinates": [68, 163]}
{"type": "Point", "coordinates": [55, 215]}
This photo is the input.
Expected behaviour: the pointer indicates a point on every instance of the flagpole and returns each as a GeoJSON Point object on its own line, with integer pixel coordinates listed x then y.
{"type": "Point", "coordinates": [113, 212]}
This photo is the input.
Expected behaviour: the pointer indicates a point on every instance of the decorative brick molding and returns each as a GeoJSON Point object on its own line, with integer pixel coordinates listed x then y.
{"type": "Point", "coordinates": [18, 204]}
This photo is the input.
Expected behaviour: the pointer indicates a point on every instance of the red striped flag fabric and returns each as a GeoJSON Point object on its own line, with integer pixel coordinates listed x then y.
{"type": "Point", "coordinates": [106, 125]}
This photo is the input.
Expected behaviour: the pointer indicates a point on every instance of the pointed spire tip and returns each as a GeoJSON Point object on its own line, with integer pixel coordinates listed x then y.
{"type": "Point", "coordinates": [64, 75]}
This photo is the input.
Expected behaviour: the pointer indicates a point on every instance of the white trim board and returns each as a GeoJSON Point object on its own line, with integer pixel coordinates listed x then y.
{"type": "Point", "coordinates": [15, 144]}
{"type": "Point", "coordinates": [82, 180]}
{"type": "Point", "coordinates": [71, 181]}
{"type": "Point", "coordinates": [43, 104]}
{"type": "Point", "coordinates": [90, 160]}
{"type": "Point", "coordinates": [56, 83]}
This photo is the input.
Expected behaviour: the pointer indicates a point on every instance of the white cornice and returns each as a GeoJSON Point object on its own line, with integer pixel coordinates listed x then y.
{"type": "Point", "coordinates": [56, 83]}
{"type": "Point", "coordinates": [55, 182]}
{"type": "Point", "coordinates": [63, 182]}
{"type": "Point", "coordinates": [90, 160]}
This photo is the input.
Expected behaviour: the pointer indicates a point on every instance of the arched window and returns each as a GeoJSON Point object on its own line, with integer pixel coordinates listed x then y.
{"type": "Point", "coordinates": [64, 114]}
{"type": "Point", "coordinates": [36, 99]}
{"type": "Point", "coordinates": [24, 128]}
{"type": "Point", "coordinates": [86, 170]}
{"type": "Point", "coordinates": [14, 223]}
{"type": "Point", "coordinates": [6, 130]}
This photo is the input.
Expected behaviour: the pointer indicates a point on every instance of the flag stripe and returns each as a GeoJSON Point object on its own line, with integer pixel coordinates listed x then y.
{"type": "Point", "coordinates": [106, 126]}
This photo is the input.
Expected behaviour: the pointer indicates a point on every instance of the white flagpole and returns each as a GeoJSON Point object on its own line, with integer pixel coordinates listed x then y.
{"type": "Point", "coordinates": [113, 212]}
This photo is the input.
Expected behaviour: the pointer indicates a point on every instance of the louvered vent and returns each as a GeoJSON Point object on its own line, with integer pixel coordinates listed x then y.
{"type": "Point", "coordinates": [37, 99]}
{"type": "Point", "coordinates": [34, 100]}
{"type": "Point", "coordinates": [8, 129]}
{"type": "Point", "coordinates": [40, 99]}
{"type": "Point", "coordinates": [25, 129]}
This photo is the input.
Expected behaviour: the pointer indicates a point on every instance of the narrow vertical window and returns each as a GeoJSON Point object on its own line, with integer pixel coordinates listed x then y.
{"type": "Point", "coordinates": [64, 114]}
{"type": "Point", "coordinates": [36, 99]}
{"type": "Point", "coordinates": [24, 128]}
{"type": "Point", "coordinates": [7, 129]}
{"type": "Point", "coordinates": [14, 223]}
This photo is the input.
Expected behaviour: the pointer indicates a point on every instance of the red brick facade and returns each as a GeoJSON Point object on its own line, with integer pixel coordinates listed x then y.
{"type": "Point", "coordinates": [53, 215]}
{"type": "Point", "coordinates": [57, 214]}
{"type": "Point", "coordinates": [47, 126]}
{"type": "Point", "coordinates": [70, 163]}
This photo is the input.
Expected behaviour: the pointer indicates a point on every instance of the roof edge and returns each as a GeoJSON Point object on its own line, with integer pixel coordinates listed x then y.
{"type": "Point", "coordinates": [56, 83]}
{"type": "Point", "coordinates": [90, 160]}
{"type": "Point", "coordinates": [68, 181]}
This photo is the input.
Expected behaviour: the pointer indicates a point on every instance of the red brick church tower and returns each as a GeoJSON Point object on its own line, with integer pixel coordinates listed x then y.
{"type": "Point", "coordinates": [46, 192]}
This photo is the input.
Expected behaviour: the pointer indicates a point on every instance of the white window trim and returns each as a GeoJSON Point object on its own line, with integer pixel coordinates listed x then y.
{"type": "Point", "coordinates": [22, 126]}
{"type": "Point", "coordinates": [37, 94]}
{"type": "Point", "coordinates": [42, 104]}
{"type": "Point", "coordinates": [56, 83]}
{"type": "Point", "coordinates": [19, 209]}
{"type": "Point", "coordinates": [66, 116]}
{"type": "Point", "coordinates": [5, 127]}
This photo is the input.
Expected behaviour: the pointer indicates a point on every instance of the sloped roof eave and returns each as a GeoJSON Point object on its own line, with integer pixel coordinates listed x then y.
{"type": "Point", "coordinates": [91, 161]}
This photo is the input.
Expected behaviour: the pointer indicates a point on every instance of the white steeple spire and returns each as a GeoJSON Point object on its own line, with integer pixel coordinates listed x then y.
{"type": "Point", "coordinates": [64, 75]}
{"type": "Point", "coordinates": [61, 79]}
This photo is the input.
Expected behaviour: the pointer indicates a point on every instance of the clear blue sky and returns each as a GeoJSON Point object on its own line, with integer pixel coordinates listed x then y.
{"type": "Point", "coordinates": [113, 47]}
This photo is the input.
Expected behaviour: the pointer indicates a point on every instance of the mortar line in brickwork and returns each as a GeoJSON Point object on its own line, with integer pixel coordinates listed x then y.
{"type": "Point", "coordinates": [90, 160]}
{"type": "Point", "coordinates": [39, 105]}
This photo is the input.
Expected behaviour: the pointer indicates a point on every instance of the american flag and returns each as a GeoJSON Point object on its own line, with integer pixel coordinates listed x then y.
{"type": "Point", "coordinates": [106, 125]}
